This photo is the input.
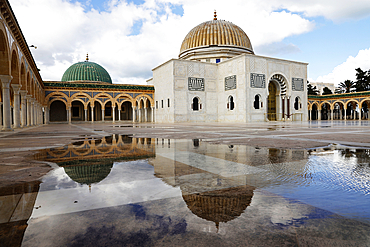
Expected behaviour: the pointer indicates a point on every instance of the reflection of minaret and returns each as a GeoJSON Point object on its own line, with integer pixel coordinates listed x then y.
{"type": "Point", "coordinates": [17, 203]}
{"type": "Point", "coordinates": [220, 205]}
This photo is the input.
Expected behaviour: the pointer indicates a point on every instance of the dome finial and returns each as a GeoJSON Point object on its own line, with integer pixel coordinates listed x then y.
{"type": "Point", "coordinates": [87, 57]}
{"type": "Point", "coordinates": [215, 16]}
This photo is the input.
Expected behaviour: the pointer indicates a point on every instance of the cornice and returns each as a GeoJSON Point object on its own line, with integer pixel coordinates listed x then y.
{"type": "Point", "coordinates": [12, 23]}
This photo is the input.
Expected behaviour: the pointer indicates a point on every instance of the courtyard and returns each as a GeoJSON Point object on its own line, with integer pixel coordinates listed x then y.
{"type": "Point", "coordinates": [125, 184]}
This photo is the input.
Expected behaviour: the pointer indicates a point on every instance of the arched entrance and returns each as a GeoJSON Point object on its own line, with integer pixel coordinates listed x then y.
{"type": "Point", "coordinates": [126, 111]}
{"type": "Point", "coordinates": [78, 113]}
{"type": "Point", "coordinates": [271, 102]}
{"type": "Point", "coordinates": [58, 111]}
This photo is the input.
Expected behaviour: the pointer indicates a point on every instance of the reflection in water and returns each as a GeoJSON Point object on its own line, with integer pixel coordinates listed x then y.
{"type": "Point", "coordinates": [218, 184]}
{"type": "Point", "coordinates": [220, 205]}
{"type": "Point", "coordinates": [16, 205]}
{"type": "Point", "coordinates": [90, 160]}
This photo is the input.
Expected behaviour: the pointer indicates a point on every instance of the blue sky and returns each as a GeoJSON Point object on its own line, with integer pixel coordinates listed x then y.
{"type": "Point", "coordinates": [130, 37]}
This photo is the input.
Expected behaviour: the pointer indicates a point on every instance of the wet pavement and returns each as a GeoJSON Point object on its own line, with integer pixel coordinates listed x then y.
{"type": "Point", "coordinates": [163, 185]}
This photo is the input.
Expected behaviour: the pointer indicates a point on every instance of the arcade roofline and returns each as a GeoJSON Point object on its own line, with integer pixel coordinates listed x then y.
{"type": "Point", "coordinates": [11, 21]}
{"type": "Point", "coordinates": [339, 96]}
{"type": "Point", "coordinates": [96, 85]}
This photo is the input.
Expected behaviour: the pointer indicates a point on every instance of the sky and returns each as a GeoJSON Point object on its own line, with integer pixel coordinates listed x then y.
{"type": "Point", "coordinates": [131, 37]}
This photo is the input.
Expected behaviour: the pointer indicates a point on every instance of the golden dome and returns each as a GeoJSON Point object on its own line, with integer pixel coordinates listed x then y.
{"type": "Point", "coordinates": [219, 34]}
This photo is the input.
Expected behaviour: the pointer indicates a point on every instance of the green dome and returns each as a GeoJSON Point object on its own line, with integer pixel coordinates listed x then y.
{"type": "Point", "coordinates": [88, 172]}
{"type": "Point", "coordinates": [87, 72]}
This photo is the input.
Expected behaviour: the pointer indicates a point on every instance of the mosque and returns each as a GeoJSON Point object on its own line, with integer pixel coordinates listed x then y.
{"type": "Point", "coordinates": [216, 78]}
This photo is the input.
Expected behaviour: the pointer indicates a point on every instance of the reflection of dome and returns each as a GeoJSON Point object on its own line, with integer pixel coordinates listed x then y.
{"type": "Point", "coordinates": [216, 38]}
{"type": "Point", "coordinates": [220, 205]}
{"type": "Point", "coordinates": [86, 72]}
{"type": "Point", "coordinates": [88, 172]}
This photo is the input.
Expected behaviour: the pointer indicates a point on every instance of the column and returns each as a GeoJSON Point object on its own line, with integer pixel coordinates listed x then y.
{"type": "Point", "coordinates": [319, 114]}
{"type": "Point", "coordinates": [102, 114]}
{"type": "Point", "coordinates": [282, 107]}
{"type": "Point", "coordinates": [85, 115]}
{"type": "Point", "coordinates": [29, 111]}
{"type": "Point", "coordinates": [139, 114]}
{"type": "Point", "coordinates": [331, 115]}
{"type": "Point", "coordinates": [23, 108]}
{"type": "Point", "coordinates": [340, 114]}
{"type": "Point", "coordinates": [345, 114]}
{"type": "Point", "coordinates": [1, 114]}
{"type": "Point", "coordinates": [114, 113]}
{"type": "Point", "coordinates": [146, 114]}
{"type": "Point", "coordinates": [153, 114]}
{"type": "Point", "coordinates": [288, 107]}
{"type": "Point", "coordinates": [17, 106]}
{"type": "Point", "coordinates": [5, 80]}
{"type": "Point", "coordinates": [119, 114]}
{"type": "Point", "coordinates": [69, 115]}
{"type": "Point", "coordinates": [46, 115]}
{"type": "Point", "coordinates": [133, 114]}
{"type": "Point", "coordinates": [92, 113]}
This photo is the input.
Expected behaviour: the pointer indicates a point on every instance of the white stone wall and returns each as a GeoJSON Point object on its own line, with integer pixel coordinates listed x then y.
{"type": "Point", "coordinates": [163, 80]}
{"type": "Point", "coordinates": [235, 66]}
{"type": "Point", "coordinates": [171, 82]}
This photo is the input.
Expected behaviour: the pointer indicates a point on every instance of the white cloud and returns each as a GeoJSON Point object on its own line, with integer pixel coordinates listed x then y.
{"type": "Point", "coordinates": [65, 31]}
{"type": "Point", "coordinates": [336, 10]}
{"type": "Point", "coordinates": [346, 70]}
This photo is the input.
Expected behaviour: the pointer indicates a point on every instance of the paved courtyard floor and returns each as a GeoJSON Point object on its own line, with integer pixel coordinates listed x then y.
{"type": "Point", "coordinates": [213, 184]}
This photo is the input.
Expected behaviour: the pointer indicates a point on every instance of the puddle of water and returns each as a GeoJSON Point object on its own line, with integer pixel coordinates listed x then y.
{"type": "Point", "coordinates": [120, 190]}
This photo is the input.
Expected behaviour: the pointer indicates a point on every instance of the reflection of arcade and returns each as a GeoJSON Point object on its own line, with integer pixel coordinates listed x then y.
{"type": "Point", "coordinates": [208, 196]}
{"type": "Point", "coordinates": [115, 146]}
{"type": "Point", "coordinates": [17, 203]}
{"type": "Point", "coordinates": [90, 160]}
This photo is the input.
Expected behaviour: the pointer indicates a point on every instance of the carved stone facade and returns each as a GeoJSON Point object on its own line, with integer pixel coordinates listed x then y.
{"type": "Point", "coordinates": [246, 100]}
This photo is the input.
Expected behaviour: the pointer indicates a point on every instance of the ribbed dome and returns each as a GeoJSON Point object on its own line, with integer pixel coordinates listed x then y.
{"type": "Point", "coordinates": [86, 72]}
{"type": "Point", "coordinates": [216, 33]}
{"type": "Point", "coordinates": [89, 172]}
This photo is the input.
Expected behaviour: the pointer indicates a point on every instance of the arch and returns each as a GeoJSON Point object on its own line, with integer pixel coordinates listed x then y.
{"type": "Point", "coordinates": [352, 109]}
{"type": "Point", "coordinates": [297, 103]}
{"type": "Point", "coordinates": [55, 94]}
{"type": "Point", "coordinates": [230, 103]}
{"type": "Point", "coordinates": [196, 105]}
{"type": "Point", "coordinates": [282, 82]}
{"type": "Point", "coordinates": [124, 95]}
{"type": "Point", "coordinates": [126, 110]}
{"type": "Point", "coordinates": [58, 110]}
{"type": "Point", "coordinates": [325, 108]}
{"type": "Point", "coordinates": [323, 103]}
{"type": "Point", "coordinates": [147, 97]}
{"type": "Point", "coordinates": [271, 101]}
{"type": "Point", "coordinates": [256, 102]}
{"type": "Point", "coordinates": [14, 67]}
{"type": "Point", "coordinates": [4, 52]}
{"type": "Point", "coordinates": [77, 110]}
{"type": "Point", "coordinates": [28, 83]}
{"type": "Point", "coordinates": [23, 77]}
{"type": "Point", "coordinates": [314, 111]}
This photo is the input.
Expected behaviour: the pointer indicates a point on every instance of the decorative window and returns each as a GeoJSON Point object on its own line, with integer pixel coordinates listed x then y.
{"type": "Point", "coordinates": [162, 102]}
{"type": "Point", "coordinates": [256, 102]}
{"type": "Point", "coordinates": [297, 103]}
{"type": "Point", "coordinates": [156, 104]}
{"type": "Point", "coordinates": [218, 60]}
{"type": "Point", "coordinates": [230, 103]}
{"type": "Point", "coordinates": [168, 102]}
{"type": "Point", "coordinates": [195, 105]}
